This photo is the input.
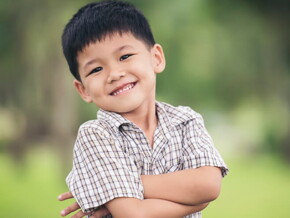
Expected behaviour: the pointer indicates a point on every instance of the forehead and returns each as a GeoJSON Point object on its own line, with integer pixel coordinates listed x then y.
{"type": "Point", "coordinates": [116, 39]}
{"type": "Point", "coordinates": [112, 43]}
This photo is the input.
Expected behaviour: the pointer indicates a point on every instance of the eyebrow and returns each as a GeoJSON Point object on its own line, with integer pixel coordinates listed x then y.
{"type": "Point", "coordinates": [124, 47]}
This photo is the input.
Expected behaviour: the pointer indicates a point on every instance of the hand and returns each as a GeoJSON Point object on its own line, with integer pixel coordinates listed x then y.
{"type": "Point", "coordinates": [99, 213]}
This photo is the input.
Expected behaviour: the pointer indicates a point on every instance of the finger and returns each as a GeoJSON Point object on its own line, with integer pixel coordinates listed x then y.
{"type": "Point", "coordinates": [71, 208]}
{"type": "Point", "coordinates": [79, 214]}
{"type": "Point", "coordinates": [65, 196]}
{"type": "Point", "coordinates": [100, 213]}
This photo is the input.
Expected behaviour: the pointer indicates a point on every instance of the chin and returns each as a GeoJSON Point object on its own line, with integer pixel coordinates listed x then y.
{"type": "Point", "coordinates": [123, 109]}
{"type": "Point", "coordinates": [125, 105]}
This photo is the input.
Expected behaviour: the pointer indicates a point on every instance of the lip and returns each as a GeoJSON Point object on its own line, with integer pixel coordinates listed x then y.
{"type": "Point", "coordinates": [123, 88]}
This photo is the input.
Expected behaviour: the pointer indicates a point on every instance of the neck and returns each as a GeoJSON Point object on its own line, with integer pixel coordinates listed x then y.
{"type": "Point", "coordinates": [145, 119]}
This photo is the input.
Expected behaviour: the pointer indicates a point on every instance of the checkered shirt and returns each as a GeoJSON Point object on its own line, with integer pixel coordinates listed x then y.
{"type": "Point", "coordinates": [111, 153]}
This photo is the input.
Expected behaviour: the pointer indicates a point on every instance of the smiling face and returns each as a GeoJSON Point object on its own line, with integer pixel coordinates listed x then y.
{"type": "Point", "coordinates": [118, 73]}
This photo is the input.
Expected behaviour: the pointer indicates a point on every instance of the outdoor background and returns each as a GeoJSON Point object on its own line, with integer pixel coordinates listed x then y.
{"type": "Point", "coordinates": [228, 60]}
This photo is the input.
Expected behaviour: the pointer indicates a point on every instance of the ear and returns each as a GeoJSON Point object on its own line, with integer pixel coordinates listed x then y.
{"type": "Point", "coordinates": [159, 59]}
{"type": "Point", "coordinates": [82, 91]}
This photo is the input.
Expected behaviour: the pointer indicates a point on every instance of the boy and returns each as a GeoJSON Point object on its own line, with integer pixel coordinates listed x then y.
{"type": "Point", "coordinates": [140, 157]}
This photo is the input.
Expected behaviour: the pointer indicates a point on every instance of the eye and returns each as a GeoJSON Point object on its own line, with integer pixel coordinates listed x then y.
{"type": "Point", "coordinates": [95, 70]}
{"type": "Point", "coordinates": [124, 57]}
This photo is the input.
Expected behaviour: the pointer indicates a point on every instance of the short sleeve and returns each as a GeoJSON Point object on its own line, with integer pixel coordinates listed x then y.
{"type": "Point", "coordinates": [199, 149]}
{"type": "Point", "coordinates": [101, 171]}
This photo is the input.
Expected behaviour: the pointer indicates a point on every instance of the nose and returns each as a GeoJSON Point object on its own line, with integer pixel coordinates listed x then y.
{"type": "Point", "coordinates": [115, 76]}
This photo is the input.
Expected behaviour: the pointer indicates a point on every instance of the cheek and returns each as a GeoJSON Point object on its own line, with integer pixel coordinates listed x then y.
{"type": "Point", "coordinates": [94, 88]}
{"type": "Point", "coordinates": [143, 68]}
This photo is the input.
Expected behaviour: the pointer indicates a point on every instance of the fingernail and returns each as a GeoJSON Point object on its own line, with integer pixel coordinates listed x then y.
{"type": "Point", "coordinates": [62, 212]}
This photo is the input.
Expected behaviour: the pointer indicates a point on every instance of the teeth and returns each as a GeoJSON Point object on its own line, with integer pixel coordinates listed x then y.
{"type": "Point", "coordinates": [126, 88]}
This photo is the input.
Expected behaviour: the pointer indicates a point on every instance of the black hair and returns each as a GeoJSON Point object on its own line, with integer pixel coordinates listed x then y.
{"type": "Point", "coordinates": [95, 21]}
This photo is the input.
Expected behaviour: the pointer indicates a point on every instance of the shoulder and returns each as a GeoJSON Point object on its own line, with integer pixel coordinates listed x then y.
{"type": "Point", "coordinates": [179, 114]}
{"type": "Point", "coordinates": [92, 124]}
{"type": "Point", "coordinates": [94, 136]}
{"type": "Point", "coordinates": [96, 127]}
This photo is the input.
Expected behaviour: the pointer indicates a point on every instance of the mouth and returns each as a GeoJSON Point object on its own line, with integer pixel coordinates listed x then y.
{"type": "Point", "coordinates": [124, 88]}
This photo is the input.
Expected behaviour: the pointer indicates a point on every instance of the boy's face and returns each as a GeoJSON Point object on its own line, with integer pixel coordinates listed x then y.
{"type": "Point", "coordinates": [118, 73]}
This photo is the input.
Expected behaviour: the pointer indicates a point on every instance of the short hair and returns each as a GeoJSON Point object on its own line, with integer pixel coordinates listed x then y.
{"type": "Point", "coordinates": [95, 21]}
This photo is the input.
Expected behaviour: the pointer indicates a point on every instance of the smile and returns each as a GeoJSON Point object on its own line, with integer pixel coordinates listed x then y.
{"type": "Point", "coordinates": [124, 88]}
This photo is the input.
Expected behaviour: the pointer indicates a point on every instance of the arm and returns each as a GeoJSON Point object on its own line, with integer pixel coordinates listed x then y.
{"type": "Point", "coordinates": [150, 208]}
{"type": "Point", "coordinates": [132, 207]}
{"type": "Point", "coordinates": [201, 185]}
{"type": "Point", "coordinates": [187, 188]}
{"type": "Point", "coordinates": [191, 187]}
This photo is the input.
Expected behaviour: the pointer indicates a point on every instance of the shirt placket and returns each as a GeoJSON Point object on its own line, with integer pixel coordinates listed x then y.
{"type": "Point", "coordinates": [160, 142]}
{"type": "Point", "coordinates": [142, 150]}
{"type": "Point", "coordinates": [146, 152]}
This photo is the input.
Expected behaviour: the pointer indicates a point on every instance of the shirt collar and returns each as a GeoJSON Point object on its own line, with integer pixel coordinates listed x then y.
{"type": "Point", "coordinates": [173, 116]}
{"type": "Point", "coordinates": [112, 118]}
{"type": "Point", "coordinates": [168, 116]}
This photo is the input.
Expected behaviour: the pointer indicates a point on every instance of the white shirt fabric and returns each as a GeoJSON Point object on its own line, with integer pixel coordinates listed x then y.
{"type": "Point", "coordinates": [111, 153]}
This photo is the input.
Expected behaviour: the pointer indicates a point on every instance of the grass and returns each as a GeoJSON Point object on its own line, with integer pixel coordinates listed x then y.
{"type": "Point", "coordinates": [31, 190]}
{"type": "Point", "coordinates": [255, 188]}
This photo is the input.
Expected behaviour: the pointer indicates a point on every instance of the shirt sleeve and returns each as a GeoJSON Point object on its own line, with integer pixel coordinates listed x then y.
{"type": "Point", "coordinates": [101, 171]}
{"type": "Point", "coordinates": [199, 148]}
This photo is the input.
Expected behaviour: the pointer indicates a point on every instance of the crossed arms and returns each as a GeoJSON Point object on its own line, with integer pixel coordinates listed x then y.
{"type": "Point", "coordinates": [174, 194]}
{"type": "Point", "coordinates": [169, 195]}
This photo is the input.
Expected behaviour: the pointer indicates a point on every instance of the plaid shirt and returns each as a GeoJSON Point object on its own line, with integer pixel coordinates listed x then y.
{"type": "Point", "coordinates": [111, 153]}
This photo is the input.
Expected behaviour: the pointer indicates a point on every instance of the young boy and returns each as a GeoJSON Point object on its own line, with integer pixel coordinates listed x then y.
{"type": "Point", "coordinates": [140, 157]}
